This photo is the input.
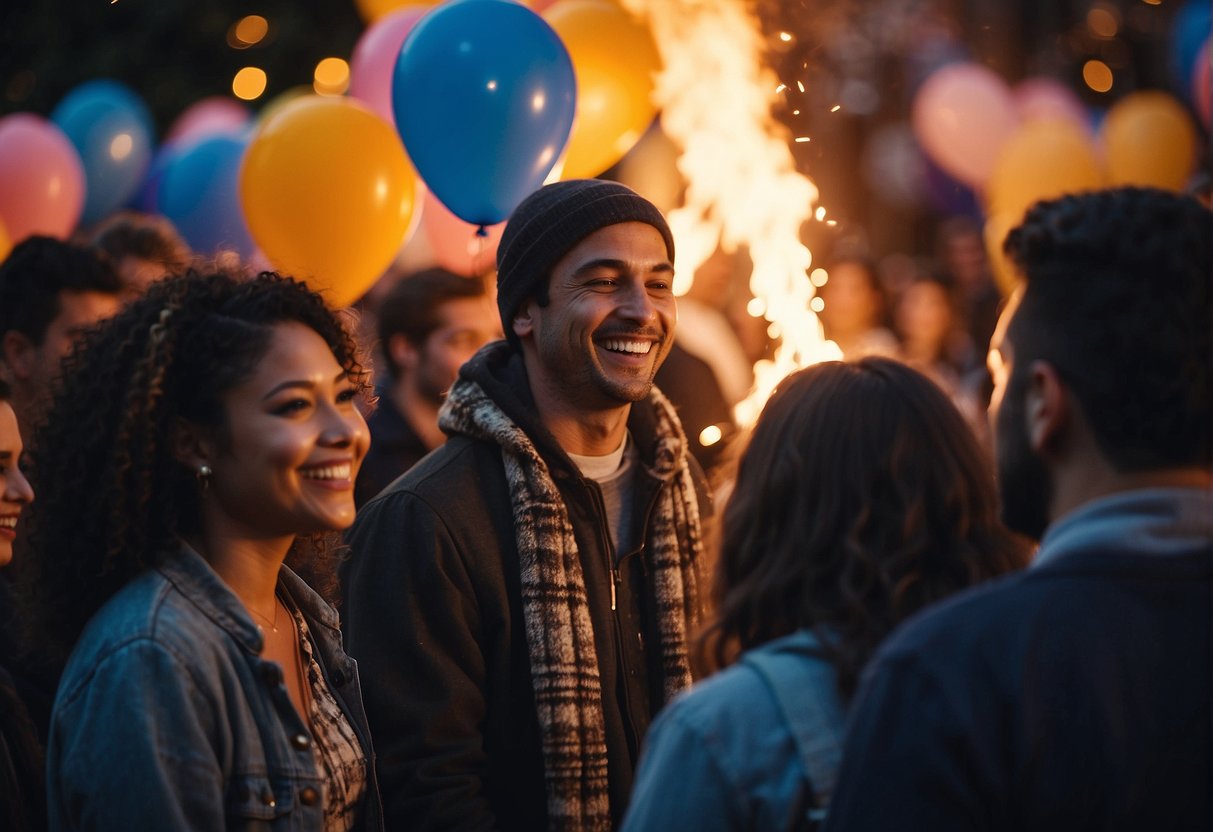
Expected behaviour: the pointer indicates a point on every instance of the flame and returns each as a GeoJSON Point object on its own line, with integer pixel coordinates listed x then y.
{"type": "Point", "coordinates": [716, 97]}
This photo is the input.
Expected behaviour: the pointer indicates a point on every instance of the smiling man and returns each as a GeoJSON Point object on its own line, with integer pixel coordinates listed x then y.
{"type": "Point", "coordinates": [520, 601]}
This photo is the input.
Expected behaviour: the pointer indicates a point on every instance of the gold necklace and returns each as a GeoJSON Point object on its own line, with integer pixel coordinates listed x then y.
{"type": "Point", "coordinates": [273, 624]}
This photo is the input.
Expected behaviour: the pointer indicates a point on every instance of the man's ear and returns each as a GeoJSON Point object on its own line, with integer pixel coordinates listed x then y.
{"type": "Point", "coordinates": [523, 322]}
{"type": "Point", "coordinates": [193, 446]}
{"type": "Point", "coordinates": [402, 352]}
{"type": "Point", "coordinates": [1048, 410]}
{"type": "Point", "coordinates": [19, 354]}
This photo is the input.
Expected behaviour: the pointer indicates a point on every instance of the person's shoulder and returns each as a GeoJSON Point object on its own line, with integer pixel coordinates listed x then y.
{"type": "Point", "coordinates": [441, 475]}
{"type": "Point", "coordinates": [971, 619]}
{"type": "Point", "coordinates": [733, 699]}
{"type": "Point", "coordinates": [147, 614]}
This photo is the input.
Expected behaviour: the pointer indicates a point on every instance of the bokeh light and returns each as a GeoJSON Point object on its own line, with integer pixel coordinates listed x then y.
{"type": "Point", "coordinates": [331, 77]}
{"type": "Point", "coordinates": [1097, 75]}
{"type": "Point", "coordinates": [248, 31]}
{"type": "Point", "coordinates": [249, 83]}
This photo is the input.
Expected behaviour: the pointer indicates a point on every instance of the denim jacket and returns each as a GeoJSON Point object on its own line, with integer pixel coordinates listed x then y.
{"type": "Point", "coordinates": [755, 746]}
{"type": "Point", "coordinates": [167, 717]}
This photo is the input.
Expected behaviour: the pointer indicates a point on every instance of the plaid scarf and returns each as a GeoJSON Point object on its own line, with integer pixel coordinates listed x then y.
{"type": "Point", "coordinates": [559, 631]}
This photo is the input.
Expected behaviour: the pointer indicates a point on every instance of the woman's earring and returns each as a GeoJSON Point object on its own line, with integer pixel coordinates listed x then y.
{"type": "Point", "coordinates": [204, 475]}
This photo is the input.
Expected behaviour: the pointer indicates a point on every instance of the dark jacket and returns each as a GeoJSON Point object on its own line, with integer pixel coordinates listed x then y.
{"type": "Point", "coordinates": [22, 791]}
{"type": "Point", "coordinates": [26, 694]}
{"type": "Point", "coordinates": [433, 613]}
{"type": "Point", "coordinates": [1072, 696]}
{"type": "Point", "coordinates": [395, 448]}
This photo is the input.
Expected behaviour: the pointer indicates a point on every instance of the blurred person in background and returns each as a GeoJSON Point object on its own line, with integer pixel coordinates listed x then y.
{"type": "Point", "coordinates": [429, 324]}
{"type": "Point", "coordinates": [51, 292]}
{"type": "Point", "coordinates": [707, 420]}
{"type": "Point", "coordinates": [705, 329]}
{"type": "Point", "coordinates": [961, 253]}
{"type": "Point", "coordinates": [854, 311]}
{"type": "Point", "coordinates": [860, 499]}
{"type": "Point", "coordinates": [203, 436]}
{"type": "Point", "coordinates": [925, 321]}
{"type": "Point", "coordinates": [142, 248]}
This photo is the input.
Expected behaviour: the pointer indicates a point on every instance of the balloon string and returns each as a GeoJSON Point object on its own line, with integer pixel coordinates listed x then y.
{"type": "Point", "coordinates": [481, 231]}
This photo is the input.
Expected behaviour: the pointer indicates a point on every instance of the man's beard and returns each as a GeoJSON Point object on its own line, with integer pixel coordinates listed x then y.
{"type": "Point", "coordinates": [1024, 483]}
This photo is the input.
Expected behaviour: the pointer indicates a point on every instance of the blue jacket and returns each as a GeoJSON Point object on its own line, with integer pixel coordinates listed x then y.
{"type": "Point", "coordinates": [755, 746]}
{"type": "Point", "coordinates": [1072, 696]}
{"type": "Point", "coordinates": [168, 718]}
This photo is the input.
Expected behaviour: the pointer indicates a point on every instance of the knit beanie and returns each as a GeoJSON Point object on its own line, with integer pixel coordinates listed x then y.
{"type": "Point", "coordinates": [549, 223]}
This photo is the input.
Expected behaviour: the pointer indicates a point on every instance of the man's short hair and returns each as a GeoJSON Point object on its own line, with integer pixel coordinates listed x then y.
{"type": "Point", "coordinates": [1117, 299]}
{"type": "Point", "coordinates": [411, 307]}
{"type": "Point", "coordinates": [143, 236]}
{"type": "Point", "coordinates": [36, 271]}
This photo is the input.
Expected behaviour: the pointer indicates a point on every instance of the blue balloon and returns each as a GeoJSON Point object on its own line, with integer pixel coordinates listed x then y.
{"type": "Point", "coordinates": [147, 195]}
{"type": "Point", "coordinates": [112, 130]}
{"type": "Point", "coordinates": [200, 192]}
{"type": "Point", "coordinates": [484, 95]}
{"type": "Point", "coordinates": [1189, 30]}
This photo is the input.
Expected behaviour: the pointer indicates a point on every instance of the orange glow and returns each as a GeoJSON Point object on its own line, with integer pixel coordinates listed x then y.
{"type": "Point", "coordinates": [1097, 75]}
{"type": "Point", "coordinates": [249, 83]}
{"type": "Point", "coordinates": [331, 77]}
{"type": "Point", "coordinates": [1102, 22]}
{"type": "Point", "coordinates": [251, 30]}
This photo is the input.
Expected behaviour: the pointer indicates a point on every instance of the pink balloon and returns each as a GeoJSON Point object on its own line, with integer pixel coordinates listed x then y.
{"type": "Point", "coordinates": [1202, 95]}
{"type": "Point", "coordinates": [454, 242]}
{"type": "Point", "coordinates": [216, 115]}
{"type": "Point", "coordinates": [1044, 98]}
{"type": "Point", "coordinates": [41, 178]}
{"type": "Point", "coordinates": [961, 116]}
{"type": "Point", "coordinates": [374, 58]}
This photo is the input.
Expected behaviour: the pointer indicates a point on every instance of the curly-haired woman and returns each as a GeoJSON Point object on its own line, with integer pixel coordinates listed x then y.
{"type": "Point", "coordinates": [861, 498]}
{"type": "Point", "coordinates": [201, 437]}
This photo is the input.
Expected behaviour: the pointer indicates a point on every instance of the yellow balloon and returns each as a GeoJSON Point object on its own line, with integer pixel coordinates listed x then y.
{"type": "Point", "coordinates": [275, 104]}
{"type": "Point", "coordinates": [615, 61]}
{"type": "Point", "coordinates": [1006, 276]}
{"type": "Point", "coordinates": [1042, 160]}
{"type": "Point", "coordinates": [328, 194]}
{"type": "Point", "coordinates": [372, 10]}
{"type": "Point", "coordinates": [6, 243]}
{"type": "Point", "coordinates": [1149, 139]}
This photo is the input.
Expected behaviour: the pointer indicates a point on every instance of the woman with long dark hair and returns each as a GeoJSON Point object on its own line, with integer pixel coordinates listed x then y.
{"type": "Point", "coordinates": [861, 498]}
{"type": "Point", "coordinates": [203, 436]}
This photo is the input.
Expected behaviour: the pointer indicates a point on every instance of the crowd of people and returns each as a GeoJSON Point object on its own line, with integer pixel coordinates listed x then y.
{"type": "Point", "coordinates": [237, 592]}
